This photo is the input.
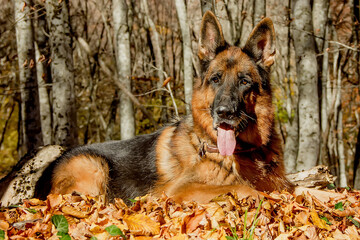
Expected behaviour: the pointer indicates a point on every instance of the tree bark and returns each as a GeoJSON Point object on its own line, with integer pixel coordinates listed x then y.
{"type": "Point", "coordinates": [207, 5]}
{"type": "Point", "coordinates": [259, 11]}
{"type": "Point", "coordinates": [30, 112]}
{"type": "Point", "coordinates": [44, 101]}
{"type": "Point", "coordinates": [319, 17]}
{"type": "Point", "coordinates": [306, 69]}
{"type": "Point", "coordinates": [233, 12]}
{"type": "Point", "coordinates": [225, 22]}
{"type": "Point", "coordinates": [325, 82]}
{"type": "Point", "coordinates": [43, 75]}
{"type": "Point", "coordinates": [159, 61]}
{"type": "Point", "coordinates": [356, 17]}
{"type": "Point", "coordinates": [187, 52]}
{"type": "Point", "coordinates": [341, 150]}
{"type": "Point", "coordinates": [123, 66]}
{"type": "Point", "coordinates": [356, 162]}
{"type": "Point", "coordinates": [291, 105]}
{"type": "Point", "coordinates": [155, 40]}
{"type": "Point", "coordinates": [62, 73]}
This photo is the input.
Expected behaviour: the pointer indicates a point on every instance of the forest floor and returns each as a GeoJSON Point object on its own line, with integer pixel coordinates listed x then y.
{"type": "Point", "coordinates": [277, 216]}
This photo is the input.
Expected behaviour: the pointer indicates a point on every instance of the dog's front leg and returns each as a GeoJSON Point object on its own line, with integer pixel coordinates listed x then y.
{"type": "Point", "coordinates": [204, 193]}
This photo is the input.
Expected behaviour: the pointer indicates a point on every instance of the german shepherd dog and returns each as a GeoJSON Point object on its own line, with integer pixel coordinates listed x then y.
{"type": "Point", "coordinates": [228, 143]}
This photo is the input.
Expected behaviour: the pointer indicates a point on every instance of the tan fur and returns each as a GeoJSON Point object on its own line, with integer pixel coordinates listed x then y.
{"type": "Point", "coordinates": [83, 174]}
{"type": "Point", "coordinates": [185, 175]}
{"type": "Point", "coordinates": [185, 171]}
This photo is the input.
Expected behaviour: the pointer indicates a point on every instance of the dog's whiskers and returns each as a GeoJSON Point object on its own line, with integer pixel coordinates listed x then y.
{"type": "Point", "coordinates": [243, 113]}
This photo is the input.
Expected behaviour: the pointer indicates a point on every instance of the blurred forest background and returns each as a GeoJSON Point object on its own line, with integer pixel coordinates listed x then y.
{"type": "Point", "coordinates": [79, 72]}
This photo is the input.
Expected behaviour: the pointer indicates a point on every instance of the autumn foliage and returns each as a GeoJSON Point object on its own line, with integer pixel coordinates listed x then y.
{"type": "Point", "coordinates": [276, 216]}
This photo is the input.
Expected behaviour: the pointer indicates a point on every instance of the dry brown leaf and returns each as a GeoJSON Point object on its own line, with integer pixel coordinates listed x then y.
{"type": "Point", "coordinates": [142, 224]}
{"type": "Point", "coordinates": [286, 218]}
{"type": "Point", "coordinates": [352, 232]}
{"type": "Point", "coordinates": [54, 200]}
{"type": "Point", "coordinates": [166, 81]}
{"type": "Point", "coordinates": [345, 213]}
{"type": "Point", "coordinates": [191, 222]}
{"type": "Point", "coordinates": [338, 235]}
{"type": "Point", "coordinates": [311, 233]}
{"type": "Point", "coordinates": [301, 218]}
{"type": "Point", "coordinates": [283, 236]}
{"type": "Point", "coordinates": [180, 237]}
{"type": "Point", "coordinates": [35, 202]}
{"type": "Point", "coordinates": [70, 220]}
{"type": "Point", "coordinates": [73, 212]}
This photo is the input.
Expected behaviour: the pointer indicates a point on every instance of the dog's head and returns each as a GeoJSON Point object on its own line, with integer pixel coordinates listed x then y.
{"type": "Point", "coordinates": [232, 101]}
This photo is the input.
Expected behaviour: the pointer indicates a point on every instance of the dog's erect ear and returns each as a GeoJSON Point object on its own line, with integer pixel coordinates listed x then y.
{"type": "Point", "coordinates": [261, 43]}
{"type": "Point", "coordinates": [211, 37]}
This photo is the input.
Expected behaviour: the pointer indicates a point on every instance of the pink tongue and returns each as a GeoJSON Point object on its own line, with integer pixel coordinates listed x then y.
{"type": "Point", "coordinates": [226, 141]}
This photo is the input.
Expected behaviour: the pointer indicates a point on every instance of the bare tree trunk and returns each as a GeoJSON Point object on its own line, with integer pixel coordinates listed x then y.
{"type": "Point", "coordinates": [319, 17]}
{"type": "Point", "coordinates": [320, 11]}
{"type": "Point", "coordinates": [306, 68]}
{"type": "Point", "coordinates": [187, 52]}
{"type": "Point", "coordinates": [45, 108]}
{"type": "Point", "coordinates": [233, 12]}
{"type": "Point", "coordinates": [63, 102]}
{"type": "Point", "coordinates": [341, 151]}
{"type": "Point", "coordinates": [325, 81]}
{"type": "Point", "coordinates": [155, 40]}
{"type": "Point", "coordinates": [356, 16]}
{"type": "Point", "coordinates": [259, 11]}
{"type": "Point", "coordinates": [207, 5]}
{"type": "Point", "coordinates": [287, 81]}
{"type": "Point", "coordinates": [159, 61]}
{"type": "Point", "coordinates": [30, 112]}
{"type": "Point", "coordinates": [42, 76]}
{"type": "Point", "coordinates": [356, 162]}
{"type": "Point", "coordinates": [224, 19]}
{"type": "Point", "coordinates": [123, 65]}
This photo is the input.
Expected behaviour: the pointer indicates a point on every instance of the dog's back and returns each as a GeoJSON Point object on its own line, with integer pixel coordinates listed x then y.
{"type": "Point", "coordinates": [124, 169]}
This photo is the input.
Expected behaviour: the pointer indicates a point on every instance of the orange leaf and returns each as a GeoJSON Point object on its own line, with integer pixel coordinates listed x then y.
{"type": "Point", "coordinates": [142, 224]}
{"type": "Point", "coordinates": [54, 200]}
{"type": "Point", "coordinates": [73, 212]}
{"type": "Point", "coordinates": [166, 81]}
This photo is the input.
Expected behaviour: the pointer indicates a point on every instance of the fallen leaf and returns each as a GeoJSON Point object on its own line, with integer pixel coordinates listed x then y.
{"type": "Point", "coordinates": [73, 212]}
{"type": "Point", "coordinates": [317, 221]}
{"type": "Point", "coordinates": [142, 224]}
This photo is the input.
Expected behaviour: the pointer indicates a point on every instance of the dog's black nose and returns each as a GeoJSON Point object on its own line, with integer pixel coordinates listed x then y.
{"type": "Point", "coordinates": [225, 112]}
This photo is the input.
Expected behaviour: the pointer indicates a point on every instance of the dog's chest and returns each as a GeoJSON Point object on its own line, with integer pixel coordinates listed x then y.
{"type": "Point", "coordinates": [217, 170]}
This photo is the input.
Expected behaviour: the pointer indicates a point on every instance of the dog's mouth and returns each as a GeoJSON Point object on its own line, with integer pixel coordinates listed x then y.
{"type": "Point", "coordinates": [226, 139]}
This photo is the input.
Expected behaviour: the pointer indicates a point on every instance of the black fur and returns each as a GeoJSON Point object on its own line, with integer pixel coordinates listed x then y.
{"type": "Point", "coordinates": [132, 165]}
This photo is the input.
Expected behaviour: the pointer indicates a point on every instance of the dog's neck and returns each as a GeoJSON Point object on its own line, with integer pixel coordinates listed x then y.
{"type": "Point", "coordinates": [205, 147]}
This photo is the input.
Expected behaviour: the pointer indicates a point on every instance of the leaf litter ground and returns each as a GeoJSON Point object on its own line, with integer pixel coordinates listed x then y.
{"type": "Point", "coordinates": [277, 216]}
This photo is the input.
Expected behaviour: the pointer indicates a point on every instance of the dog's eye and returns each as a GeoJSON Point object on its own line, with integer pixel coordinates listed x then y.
{"type": "Point", "coordinates": [244, 81]}
{"type": "Point", "coordinates": [215, 78]}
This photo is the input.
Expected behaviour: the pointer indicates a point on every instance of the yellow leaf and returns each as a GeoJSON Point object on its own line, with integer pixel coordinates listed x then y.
{"type": "Point", "coordinates": [320, 223]}
{"type": "Point", "coordinates": [142, 224]}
